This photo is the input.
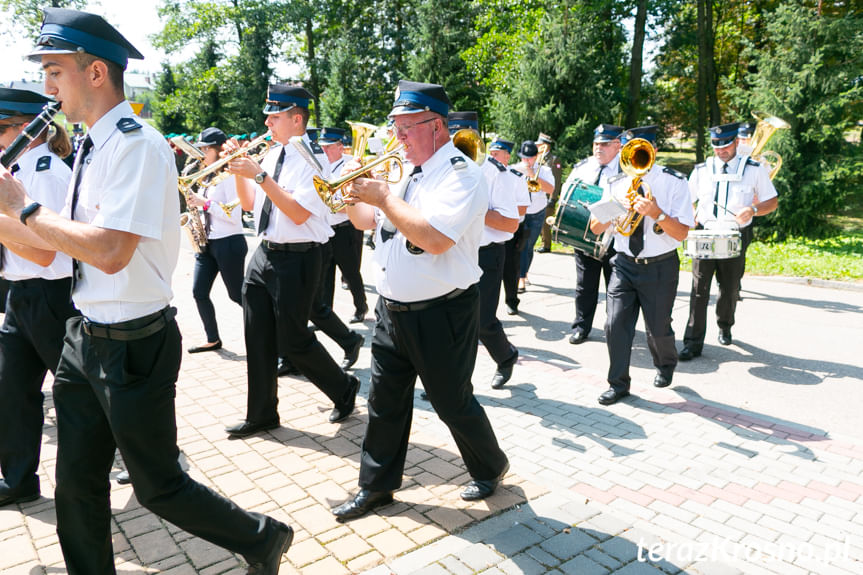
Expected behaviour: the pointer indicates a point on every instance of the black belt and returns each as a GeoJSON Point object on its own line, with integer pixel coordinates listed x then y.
{"type": "Point", "coordinates": [133, 329]}
{"type": "Point", "coordinates": [649, 260]}
{"type": "Point", "coordinates": [343, 224]}
{"type": "Point", "coordinates": [393, 305]}
{"type": "Point", "coordinates": [294, 247]}
{"type": "Point", "coordinates": [491, 245]}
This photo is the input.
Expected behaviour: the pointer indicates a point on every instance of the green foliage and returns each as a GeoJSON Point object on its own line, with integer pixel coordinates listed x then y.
{"type": "Point", "coordinates": [809, 74]}
{"type": "Point", "coordinates": [27, 15]}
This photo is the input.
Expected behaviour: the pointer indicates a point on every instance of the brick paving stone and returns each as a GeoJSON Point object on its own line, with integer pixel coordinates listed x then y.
{"type": "Point", "coordinates": [348, 547]}
{"type": "Point", "coordinates": [391, 543]}
{"type": "Point", "coordinates": [326, 566]}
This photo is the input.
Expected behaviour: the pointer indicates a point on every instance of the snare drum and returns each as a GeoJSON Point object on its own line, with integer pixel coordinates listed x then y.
{"type": "Point", "coordinates": [571, 221]}
{"type": "Point", "coordinates": [712, 244]}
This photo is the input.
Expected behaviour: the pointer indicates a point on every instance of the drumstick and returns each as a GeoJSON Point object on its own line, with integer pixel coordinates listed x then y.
{"type": "Point", "coordinates": [724, 208]}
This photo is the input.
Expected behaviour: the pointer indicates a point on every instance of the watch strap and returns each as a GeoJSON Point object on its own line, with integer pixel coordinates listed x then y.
{"type": "Point", "coordinates": [28, 211]}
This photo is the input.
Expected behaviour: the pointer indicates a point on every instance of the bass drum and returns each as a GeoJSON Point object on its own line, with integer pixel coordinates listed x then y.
{"type": "Point", "coordinates": [570, 224]}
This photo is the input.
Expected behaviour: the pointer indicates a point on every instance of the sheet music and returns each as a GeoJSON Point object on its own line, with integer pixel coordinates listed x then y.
{"type": "Point", "coordinates": [606, 210]}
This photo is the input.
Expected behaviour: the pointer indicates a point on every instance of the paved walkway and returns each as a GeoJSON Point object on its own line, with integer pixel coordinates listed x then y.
{"type": "Point", "coordinates": [750, 463]}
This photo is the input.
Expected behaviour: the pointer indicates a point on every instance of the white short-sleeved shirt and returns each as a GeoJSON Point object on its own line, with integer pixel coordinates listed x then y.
{"type": "Point", "coordinates": [671, 192]}
{"type": "Point", "coordinates": [46, 178]}
{"type": "Point", "coordinates": [735, 190]}
{"type": "Point", "coordinates": [221, 224]}
{"type": "Point", "coordinates": [451, 195]}
{"type": "Point", "coordinates": [538, 200]}
{"type": "Point", "coordinates": [295, 177]}
{"type": "Point", "coordinates": [129, 183]}
{"type": "Point", "coordinates": [502, 198]}
{"type": "Point", "coordinates": [522, 194]}
{"type": "Point", "coordinates": [587, 169]}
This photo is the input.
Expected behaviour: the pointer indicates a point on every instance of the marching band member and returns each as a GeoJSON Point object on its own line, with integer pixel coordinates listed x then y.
{"type": "Point", "coordinates": [116, 379]}
{"type": "Point", "coordinates": [730, 190]}
{"type": "Point", "coordinates": [347, 243]}
{"type": "Point", "coordinates": [596, 170]}
{"type": "Point", "coordinates": [282, 277]}
{"type": "Point", "coordinates": [535, 215]}
{"type": "Point", "coordinates": [501, 221]}
{"type": "Point", "coordinates": [544, 142]}
{"type": "Point", "coordinates": [501, 150]}
{"type": "Point", "coordinates": [429, 229]}
{"type": "Point", "coordinates": [644, 272]}
{"type": "Point", "coordinates": [31, 337]}
{"type": "Point", "coordinates": [225, 252]}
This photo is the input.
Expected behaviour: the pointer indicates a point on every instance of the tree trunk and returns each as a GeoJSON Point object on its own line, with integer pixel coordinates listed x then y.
{"type": "Point", "coordinates": [313, 69]}
{"type": "Point", "coordinates": [701, 84]}
{"type": "Point", "coordinates": [635, 68]}
{"type": "Point", "coordinates": [712, 80]}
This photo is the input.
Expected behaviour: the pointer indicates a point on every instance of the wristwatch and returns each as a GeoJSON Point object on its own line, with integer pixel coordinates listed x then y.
{"type": "Point", "coordinates": [754, 210]}
{"type": "Point", "coordinates": [661, 217]}
{"type": "Point", "coordinates": [259, 178]}
{"type": "Point", "coordinates": [29, 211]}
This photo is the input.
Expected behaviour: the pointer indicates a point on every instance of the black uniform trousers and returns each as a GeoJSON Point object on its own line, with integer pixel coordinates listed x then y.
{"type": "Point", "coordinates": [322, 314]}
{"type": "Point", "coordinates": [587, 273]}
{"type": "Point", "coordinates": [491, 333]}
{"type": "Point", "coordinates": [347, 254]}
{"type": "Point", "coordinates": [278, 294]}
{"type": "Point", "coordinates": [728, 275]}
{"type": "Point", "coordinates": [226, 256]}
{"type": "Point", "coordinates": [651, 288]}
{"type": "Point", "coordinates": [512, 265]}
{"type": "Point", "coordinates": [31, 340]}
{"type": "Point", "coordinates": [112, 394]}
{"type": "Point", "coordinates": [439, 345]}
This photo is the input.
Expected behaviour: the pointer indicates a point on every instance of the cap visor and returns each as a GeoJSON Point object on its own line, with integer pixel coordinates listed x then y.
{"type": "Point", "coordinates": [39, 51]}
{"type": "Point", "coordinates": [604, 139]}
{"type": "Point", "coordinates": [273, 109]}
{"type": "Point", "coordinates": [402, 110]}
{"type": "Point", "coordinates": [722, 143]}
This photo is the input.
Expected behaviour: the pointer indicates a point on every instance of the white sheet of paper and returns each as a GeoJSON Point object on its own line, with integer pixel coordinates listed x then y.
{"type": "Point", "coordinates": [606, 210]}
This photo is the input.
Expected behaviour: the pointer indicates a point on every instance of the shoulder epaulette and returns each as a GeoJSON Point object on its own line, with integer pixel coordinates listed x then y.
{"type": "Point", "coordinates": [699, 166]}
{"type": "Point", "coordinates": [581, 163]}
{"type": "Point", "coordinates": [751, 162]}
{"type": "Point", "coordinates": [43, 163]}
{"type": "Point", "coordinates": [316, 148]}
{"type": "Point", "coordinates": [674, 173]}
{"type": "Point", "coordinates": [127, 125]}
{"type": "Point", "coordinates": [616, 177]}
{"type": "Point", "coordinates": [516, 172]}
{"type": "Point", "coordinates": [500, 167]}
{"type": "Point", "coordinates": [458, 162]}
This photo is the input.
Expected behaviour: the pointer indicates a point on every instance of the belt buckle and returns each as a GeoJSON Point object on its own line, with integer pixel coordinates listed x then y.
{"type": "Point", "coordinates": [642, 261]}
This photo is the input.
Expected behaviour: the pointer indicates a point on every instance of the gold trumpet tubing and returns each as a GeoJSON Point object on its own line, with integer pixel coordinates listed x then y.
{"type": "Point", "coordinates": [764, 129]}
{"type": "Point", "coordinates": [332, 193]}
{"type": "Point", "coordinates": [256, 150]}
{"type": "Point", "coordinates": [229, 206]}
{"type": "Point", "coordinates": [627, 224]}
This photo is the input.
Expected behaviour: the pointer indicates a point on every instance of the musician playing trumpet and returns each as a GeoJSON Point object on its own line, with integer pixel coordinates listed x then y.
{"type": "Point", "coordinates": [225, 251]}
{"type": "Point", "coordinates": [730, 190]}
{"type": "Point", "coordinates": [645, 269]}
{"type": "Point", "coordinates": [282, 277]}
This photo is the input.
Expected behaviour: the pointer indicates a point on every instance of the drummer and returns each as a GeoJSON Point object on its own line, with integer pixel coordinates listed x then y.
{"type": "Point", "coordinates": [595, 170]}
{"type": "Point", "coordinates": [729, 189]}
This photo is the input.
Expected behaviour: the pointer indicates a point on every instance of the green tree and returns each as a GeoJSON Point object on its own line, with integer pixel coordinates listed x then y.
{"type": "Point", "coordinates": [810, 75]}
{"type": "Point", "coordinates": [27, 15]}
{"type": "Point", "coordinates": [166, 113]}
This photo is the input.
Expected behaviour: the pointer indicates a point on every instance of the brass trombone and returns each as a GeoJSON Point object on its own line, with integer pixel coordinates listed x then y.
{"type": "Point", "coordinates": [636, 159]}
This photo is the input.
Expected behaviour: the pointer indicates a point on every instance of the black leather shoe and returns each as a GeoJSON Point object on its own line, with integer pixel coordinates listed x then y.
{"type": "Point", "coordinates": [661, 381]}
{"type": "Point", "coordinates": [359, 316]}
{"type": "Point", "coordinates": [353, 352]}
{"type": "Point", "coordinates": [9, 496]}
{"type": "Point", "coordinates": [270, 565]}
{"type": "Point", "coordinates": [501, 376]}
{"type": "Point", "coordinates": [482, 488]}
{"type": "Point", "coordinates": [688, 353]}
{"type": "Point", "coordinates": [610, 396]}
{"type": "Point", "coordinates": [123, 478]}
{"type": "Point", "coordinates": [206, 347]}
{"type": "Point", "coordinates": [578, 336]}
{"type": "Point", "coordinates": [286, 368]}
{"type": "Point", "coordinates": [724, 337]}
{"type": "Point", "coordinates": [248, 428]}
{"type": "Point", "coordinates": [343, 410]}
{"type": "Point", "coordinates": [511, 309]}
{"type": "Point", "coordinates": [362, 503]}
{"type": "Point", "coordinates": [542, 250]}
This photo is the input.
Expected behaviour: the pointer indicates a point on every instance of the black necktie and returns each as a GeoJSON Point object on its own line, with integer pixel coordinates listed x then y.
{"type": "Point", "coordinates": [599, 175]}
{"type": "Point", "coordinates": [636, 240]}
{"type": "Point", "coordinates": [85, 148]}
{"type": "Point", "coordinates": [716, 196]}
{"type": "Point", "coordinates": [268, 203]}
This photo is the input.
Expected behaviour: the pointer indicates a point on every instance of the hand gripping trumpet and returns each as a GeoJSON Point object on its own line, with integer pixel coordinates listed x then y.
{"type": "Point", "coordinates": [636, 159]}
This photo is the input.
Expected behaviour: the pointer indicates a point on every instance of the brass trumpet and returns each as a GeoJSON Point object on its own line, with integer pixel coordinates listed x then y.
{"type": "Point", "coordinates": [636, 159]}
{"type": "Point", "coordinates": [218, 171]}
{"type": "Point", "coordinates": [332, 192]}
